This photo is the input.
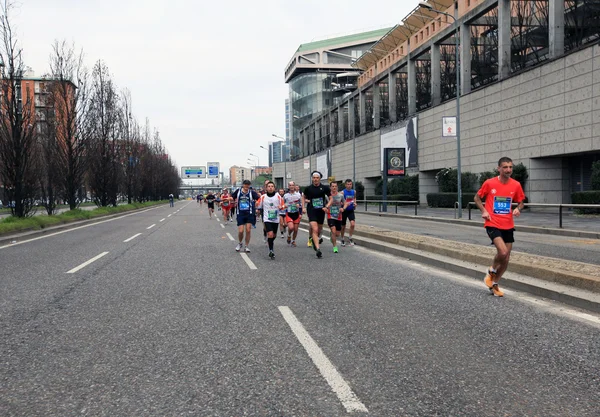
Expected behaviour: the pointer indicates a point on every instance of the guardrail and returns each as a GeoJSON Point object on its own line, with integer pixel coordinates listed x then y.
{"type": "Point", "coordinates": [383, 204]}
{"type": "Point", "coordinates": [560, 208]}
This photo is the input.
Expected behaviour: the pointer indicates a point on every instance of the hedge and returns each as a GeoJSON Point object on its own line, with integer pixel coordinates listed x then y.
{"type": "Point", "coordinates": [586, 197]}
{"type": "Point", "coordinates": [448, 199]}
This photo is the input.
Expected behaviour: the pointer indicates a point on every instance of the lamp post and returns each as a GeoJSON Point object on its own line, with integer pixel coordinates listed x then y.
{"type": "Point", "coordinates": [256, 165]}
{"type": "Point", "coordinates": [285, 157]}
{"type": "Point", "coordinates": [426, 6]}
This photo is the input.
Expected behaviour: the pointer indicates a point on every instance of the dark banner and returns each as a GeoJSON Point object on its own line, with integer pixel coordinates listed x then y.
{"type": "Point", "coordinates": [395, 162]}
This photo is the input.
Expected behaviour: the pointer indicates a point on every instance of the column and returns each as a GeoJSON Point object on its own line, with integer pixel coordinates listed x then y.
{"type": "Point", "coordinates": [332, 136]}
{"type": "Point", "coordinates": [556, 28]}
{"type": "Point", "coordinates": [504, 27]}
{"type": "Point", "coordinates": [362, 111]}
{"type": "Point", "coordinates": [392, 96]}
{"type": "Point", "coordinates": [412, 87]}
{"type": "Point", "coordinates": [351, 104]}
{"type": "Point", "coordinates": [341, 127]}
{"type": "Point", "coordinates": [376, 105]}
{"type": "Point", "coordinates": [436, 75]}
{"type": "Point", "coordinates": [465, 59]}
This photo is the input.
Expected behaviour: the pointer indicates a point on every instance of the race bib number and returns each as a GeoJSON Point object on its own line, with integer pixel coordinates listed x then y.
{"type": "Point", "coordinates": [225, 203]}
{"type": "Point", "coordinates": [272, 214]}
{"type": "Point", "coordinates": [244, 204]}
{"type": "Point", "coordinates": [317, 203]}
{"type": "Point", "coordinates": [334, 211]}
{"type": "Point", "coordinates": [293, 208]}
{"type": "Point", "coordinates": [502, 205]}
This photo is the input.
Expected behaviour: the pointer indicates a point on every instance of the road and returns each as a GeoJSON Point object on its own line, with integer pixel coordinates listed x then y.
{"type": "Point", "coordinates": [154, 313]}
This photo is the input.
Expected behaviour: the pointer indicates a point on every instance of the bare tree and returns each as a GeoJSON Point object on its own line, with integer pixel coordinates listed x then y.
{"type": "Point", "coordinates": [131, 137]}
{"type": "Point", "coordinates": [49, 175]}
{"type": "Point", "coordinates": [69, 121]}
{"type": "Point", "coordinates": [103, 150]}
{"type": "Point", "coordinates": [17, 130]}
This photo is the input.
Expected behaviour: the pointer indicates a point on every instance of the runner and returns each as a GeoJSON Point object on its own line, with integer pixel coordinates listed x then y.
{"type": "Point", "coordinates": [293, 203]}
{"type": "Point", "coordinates": [499, 194]}
{"type": "Point", "coordinates": [199, 200]}
{"type": "Point", "coordinates": [282, 213]}
{"type": "Point", "coordinates": [271, 203]}
{"type": "Point", "coordinates": [245, 198]}
{"type": "Point", "coordinates": [335, 208]}
{"type": "Point", "coordinates": [348, 214]}
{"type": "Point", "coordinates": [314, 197]}
{"type": "Point", "coordinates": [226, 204]}
{"type": "Point", "coordinates": [210, 200]}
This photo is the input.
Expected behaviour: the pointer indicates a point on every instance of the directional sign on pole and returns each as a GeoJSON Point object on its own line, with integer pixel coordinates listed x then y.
{"type": "Point", "coordinates": [193, 172]}
{"type": "Point", "coordinates": [213, 169]}
{"type": "Point", "coordinates": [449, 126]}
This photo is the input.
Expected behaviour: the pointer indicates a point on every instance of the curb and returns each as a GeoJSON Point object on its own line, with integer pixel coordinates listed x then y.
{"type": "Point", "coordinates": [522, 228]}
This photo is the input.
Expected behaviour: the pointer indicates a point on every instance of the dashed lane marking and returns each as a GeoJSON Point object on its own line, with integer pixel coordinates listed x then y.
{"type": "Point", "coordinates": [83, 265]}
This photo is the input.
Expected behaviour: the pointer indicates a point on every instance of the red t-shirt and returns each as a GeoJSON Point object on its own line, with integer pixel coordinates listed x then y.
{"type": "Point", "coordinates": [498, 201]}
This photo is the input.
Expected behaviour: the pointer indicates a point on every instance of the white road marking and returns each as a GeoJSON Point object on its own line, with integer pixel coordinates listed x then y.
{"type": "Point", "coordinates": [229, 236]}
{"type": "Point", "coordinates": [222, 225]}
{"type": "Point", "coordinates": [73, 229]}
{"type": "Point", "coordinates": [248, 261]}
{"type": "Point", "coordinates": [218, 219]}
{"type": "Point", "coordinates": [131, 238]}
{"type": "Point", "coordinates": [306, 230]}
{"type": "Point", "coordinates": [83, 265]}
{"type": "Point", "coordinates": [169, 215]}
{"type": "Point", "coordinates": [161, 220]}
{"type": "Point", "coordinates": [150, 227]}
{"type": "Point", "coordinates": [337, 383]}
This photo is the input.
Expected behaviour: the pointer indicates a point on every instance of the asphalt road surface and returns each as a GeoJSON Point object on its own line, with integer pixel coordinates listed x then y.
{"type": "Point", "coordinates": [155, 314]}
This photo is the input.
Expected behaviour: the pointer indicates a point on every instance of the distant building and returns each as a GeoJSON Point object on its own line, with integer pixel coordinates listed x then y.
{"type": "Point", "coordinates": [276, 152]}
{"type": "Point", "coordinates": [238, 174]}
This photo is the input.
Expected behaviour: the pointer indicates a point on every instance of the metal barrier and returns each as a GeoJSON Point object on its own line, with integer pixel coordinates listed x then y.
{"type": "Point", "coordinates": [560, 208]}
{"type": "Point", "coordinates": [384, 203]}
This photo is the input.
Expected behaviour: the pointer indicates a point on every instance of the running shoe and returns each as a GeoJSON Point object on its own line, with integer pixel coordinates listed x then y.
{"type": "Point", "coordinates": [343, 243]}
{"type": "Point", "coordinates": [335, 249]}
{"type": "Point", "coordinates": [351, 242]}
{"type": "Point", "coordinates": [319, 254]}
{"type": "Point", "coordinates": [496, 290]}
{"type": "Point", "coordinates": [289, 239]}
{"type": "Point", "coordinates": [247, 249]}
{"type": "Point", "coordinates": [309, 244]}
{"type": "Point", "coordinates": [320, 240]}
{"type": "Point", "coordinates": [490, 278]}
{"type": "Point", "coordinates": [238, 247]}
{"type": "Point", "coordinates": [282, 236]}
{"type": "Point", "coordinates": [271, 254]}
{"type": "Point", "coordinates": [293, 243]}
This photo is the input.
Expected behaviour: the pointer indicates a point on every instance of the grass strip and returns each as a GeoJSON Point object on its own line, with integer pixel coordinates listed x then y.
{"type": "Point", "coordinates": [13, 224]}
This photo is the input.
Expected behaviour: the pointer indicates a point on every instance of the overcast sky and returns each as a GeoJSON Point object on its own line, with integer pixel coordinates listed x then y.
{"type": "Point", "coordinates": [208, 75]}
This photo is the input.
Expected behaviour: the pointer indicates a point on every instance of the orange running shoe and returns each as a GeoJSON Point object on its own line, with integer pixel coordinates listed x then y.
{"type": "Point", "coordinates": [490, 278]}
{"type": "Point", "coordinates": [497, 291]}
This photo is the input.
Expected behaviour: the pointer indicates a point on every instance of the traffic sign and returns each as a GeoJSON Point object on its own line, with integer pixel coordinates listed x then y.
{"type": "Point", "coordinates": [193, 172]}
{"type": "Point", "coordinates": [213, 169]}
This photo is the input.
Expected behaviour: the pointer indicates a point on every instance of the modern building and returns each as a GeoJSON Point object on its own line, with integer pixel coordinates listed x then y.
{"type": "Point", "coordinates": [276, 152]}
{"type": "Point", "coordinates": [319, 74]}
{"type": "Point", "coordinates": [529, 84]}
{"type": "Point", "coordinates": [238, 174]}
{"type": "Point", "coordinates": [288, 129]}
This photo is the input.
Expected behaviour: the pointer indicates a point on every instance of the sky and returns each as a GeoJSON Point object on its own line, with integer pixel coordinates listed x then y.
{"type": "Point", "coordinates": [209, 76]}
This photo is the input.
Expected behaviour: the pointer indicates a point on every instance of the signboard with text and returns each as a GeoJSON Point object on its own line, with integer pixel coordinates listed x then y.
{"type": "Point", "coordinates": [213, 169]}
{"type": "Point", "coordinates": [449, 127]}
{"type": "Point", "coordinates": [395, 162]}
{"type": "Point", "coordinates": [193, 172]}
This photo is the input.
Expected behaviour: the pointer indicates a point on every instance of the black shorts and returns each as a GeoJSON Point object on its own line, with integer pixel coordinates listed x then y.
{"type": "Point", "coordinates": [335, 223]}
{"type": "Point", "coordinates": [245, 217]}
{"type": "Point", "coordinates": [316, 215]}
{"type": "Point", "coordinates": [271, 227]}
{"type": "Point", "coordinates": [211, 205]}
{"type": "Point", "coordinates": [347, 215]}
{"type": "Point", "coordinates": [506, 235]}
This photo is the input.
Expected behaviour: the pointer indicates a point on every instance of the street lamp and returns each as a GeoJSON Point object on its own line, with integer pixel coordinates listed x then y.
{"type": "Point", "coordinates": [426, 6]}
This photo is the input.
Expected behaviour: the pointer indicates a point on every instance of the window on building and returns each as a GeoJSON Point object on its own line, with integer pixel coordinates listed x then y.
{"type": "Point", "coordinates": [427, 32]}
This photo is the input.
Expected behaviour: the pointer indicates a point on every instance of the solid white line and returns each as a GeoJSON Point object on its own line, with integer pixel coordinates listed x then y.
{"type": "Point", "coordinates": [248, 261]}
{"type": "Point", "coordinates": [73, 229]}
{"type": "Point", "coordinates": [337, 383]}
{"type": "Point", "coordinates": [150, 227]}
{"type": "Point", "coordinates": [161, 220]}
{"type": "Point", "coordinates": [222, 225]}
{"type": "Point", "coordinates": [83, 265]}
{"type": "Point", "coordinates": [131, 238]}
{"type": "Point", "coordinates": [229, 236]}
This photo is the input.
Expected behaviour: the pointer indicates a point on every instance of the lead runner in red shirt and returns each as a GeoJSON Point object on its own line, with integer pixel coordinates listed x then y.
{"type": "Point", "coordinates": [500, 193]}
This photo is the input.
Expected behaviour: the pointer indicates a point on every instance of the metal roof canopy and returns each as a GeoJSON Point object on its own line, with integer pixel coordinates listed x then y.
{"type": "Point", "coordinates": [399, 34]}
